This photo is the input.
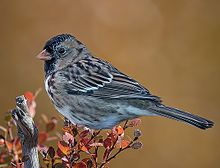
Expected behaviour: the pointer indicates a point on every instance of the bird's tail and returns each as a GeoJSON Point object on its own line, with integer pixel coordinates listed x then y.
{"type": "Point", "coordinates": [179, 115]}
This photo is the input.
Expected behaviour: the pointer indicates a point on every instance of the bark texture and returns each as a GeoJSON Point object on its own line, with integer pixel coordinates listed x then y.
{"type": "Point", "coordinates": [27, 132]}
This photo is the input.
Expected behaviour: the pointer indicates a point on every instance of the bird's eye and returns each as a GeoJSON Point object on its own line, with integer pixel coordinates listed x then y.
{"type": "Point", "coordinates": [61, 50]}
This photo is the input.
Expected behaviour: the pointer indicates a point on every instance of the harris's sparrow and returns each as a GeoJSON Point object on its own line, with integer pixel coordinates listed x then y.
{"type": "Point", "coordinates": [91, 92]}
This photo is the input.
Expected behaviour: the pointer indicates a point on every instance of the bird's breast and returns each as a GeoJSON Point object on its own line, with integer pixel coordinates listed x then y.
{"type": "Point", "coordinates": [49, 85]}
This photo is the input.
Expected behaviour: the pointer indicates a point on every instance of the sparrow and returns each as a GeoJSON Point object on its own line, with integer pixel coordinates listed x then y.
{"type": "Point", "coordinates": [91, 92]}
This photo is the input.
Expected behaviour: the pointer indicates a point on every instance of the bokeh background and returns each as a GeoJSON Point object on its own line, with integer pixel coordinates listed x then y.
{"type": "Point", "coordinates": [171, 47]}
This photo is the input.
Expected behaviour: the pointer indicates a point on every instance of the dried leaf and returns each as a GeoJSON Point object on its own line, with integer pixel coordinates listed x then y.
{"type": "Point", "coordinates": [63, 147]}
{"type": "Point", "coordinates": [137, 133]}
{"type": "Point", "coordinates": [135, 122]}
{"type": "Point", "coordinates": [136, 145]}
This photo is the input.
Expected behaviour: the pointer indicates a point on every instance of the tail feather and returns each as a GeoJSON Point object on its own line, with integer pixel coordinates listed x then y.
{"type": "Point", "coordinates": [179, 115]}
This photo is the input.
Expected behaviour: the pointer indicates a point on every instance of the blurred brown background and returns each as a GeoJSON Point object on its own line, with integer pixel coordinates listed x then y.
{"type": "Point", "coordinates": [171, 47]}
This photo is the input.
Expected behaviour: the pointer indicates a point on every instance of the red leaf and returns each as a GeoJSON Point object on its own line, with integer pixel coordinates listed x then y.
{"type": "Point", "coordinates": [59, 153]}
{"type": "Point", "coordinates": [123, 144]}
{"type": "Point", "coordinates": [85, 141]}
{"type": "Point", "coordinates": [17, 144]}
{"type": "Point", "coordinates": [107, 143]}
{"type": "Point", "coordinates": [84, 133]}
{"type": "Point", "coordinates": [68, 138]}
{"type": "Point", "coordinates": [84, 149]}
{"type": "Point", "coordinates": [120, 130]}
{"type": "Point", "coordinates": [112, 136]}
{"type": "Point", "coordinates": [42, 137]}
{"type": "Point", "coordinates": [51, 152]}
{"type": "Point", "coordinates": [9, 145]}
{"type": "Point", "coordinates": [29, 96]}
{"type": "Point", "coordinates": [63, 147]}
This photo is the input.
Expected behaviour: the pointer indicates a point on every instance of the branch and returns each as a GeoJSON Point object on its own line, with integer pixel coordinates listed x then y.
{"type": "Point", "coordinates": [27, 132]}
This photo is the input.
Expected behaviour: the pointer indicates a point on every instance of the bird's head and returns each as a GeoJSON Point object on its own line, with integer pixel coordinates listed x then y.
{"type": "Point", "coordinates": [60, 51]}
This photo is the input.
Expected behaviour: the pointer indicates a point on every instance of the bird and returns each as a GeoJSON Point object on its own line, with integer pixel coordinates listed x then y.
{"type": "Point", "coordinates": [91, 92]}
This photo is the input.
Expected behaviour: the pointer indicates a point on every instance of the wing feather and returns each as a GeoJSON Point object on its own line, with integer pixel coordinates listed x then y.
{"type": "Point", "coordinates": [100, 79]}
